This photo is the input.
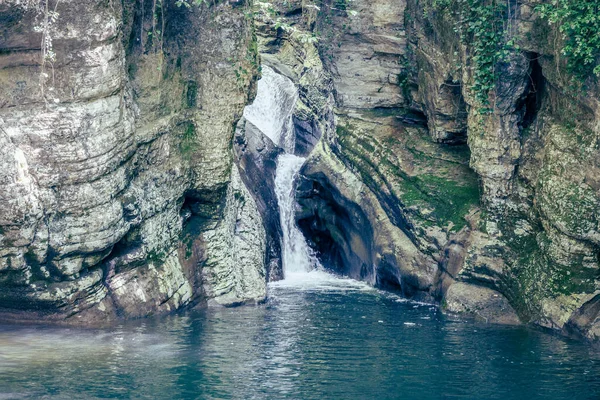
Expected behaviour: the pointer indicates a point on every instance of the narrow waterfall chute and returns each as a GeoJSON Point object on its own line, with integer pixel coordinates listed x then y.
{"type": "Point", "coordinates": [297, 256]}
{"type": "Point", "coordinates": [271, 112]}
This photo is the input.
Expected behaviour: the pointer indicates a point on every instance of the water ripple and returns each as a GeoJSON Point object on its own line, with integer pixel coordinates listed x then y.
{"type": "Point", "coordinates": [329, 339]}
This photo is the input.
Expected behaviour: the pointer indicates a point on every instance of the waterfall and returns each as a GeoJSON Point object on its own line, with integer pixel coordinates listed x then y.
{"type": "Point", "coordinates": [271, 112]}
{"type": "Point", "coordinates": [272, 109]}
{"type": "Point", "coordinates": [297, 256]}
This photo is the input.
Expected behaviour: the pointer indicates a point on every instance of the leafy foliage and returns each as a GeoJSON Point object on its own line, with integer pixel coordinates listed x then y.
{"type": "Point", "coordinates": [46, 22]}
{"type": "Point", "coordinates": [579, 23]}
{"type": "Point", "coordinates": [483, 26]}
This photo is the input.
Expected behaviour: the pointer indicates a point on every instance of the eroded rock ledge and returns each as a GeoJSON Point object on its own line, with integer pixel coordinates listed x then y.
{"type": "Point", "coordinates": [122, 199]}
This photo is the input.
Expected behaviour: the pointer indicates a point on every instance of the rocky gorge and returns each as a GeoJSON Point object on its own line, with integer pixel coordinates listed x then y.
{"type": "Point", "coordinates": [133, 185]}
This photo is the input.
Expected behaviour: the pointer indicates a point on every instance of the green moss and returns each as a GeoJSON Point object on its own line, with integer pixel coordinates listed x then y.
{"type": "Point", "coordinates": [156, 256]}
{"type": "Point", "coordinates": [342, 131]}
{"type": "Point", "coordinates": [461, 152]}
{"type": "Point", "coordinates": [534, 275]}
{"type": "Point", "coordinates": [403, 80]}
{"type": "Point", "coordinates": [444, 304]}
{"type": "Point", "coordinates": [574, 206]}
{"type": "Point", "coordinates": [449, 199]}
{"type": "Point", "coordinates": [132, 69]}
{"type": "Point", "coordinates": [188, 144]}
{"type": "Point", "coordinates": [191, 94]}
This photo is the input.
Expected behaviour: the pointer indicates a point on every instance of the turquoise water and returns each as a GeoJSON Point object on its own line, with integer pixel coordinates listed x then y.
{"type": "Point", "coordinates": [334, 339]}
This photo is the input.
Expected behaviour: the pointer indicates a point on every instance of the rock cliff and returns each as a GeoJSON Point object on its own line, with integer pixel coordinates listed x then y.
{"type": "Point", "coordinates": [427, 175]}
{"type": "Point", "coordinates": [535, 151]}
{"type": "Point", "coordinates": [418, 186]}
{"type": "Point", "coordinates": [119, 195]}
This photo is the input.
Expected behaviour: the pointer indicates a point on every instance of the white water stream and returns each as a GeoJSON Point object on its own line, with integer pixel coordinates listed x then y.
{"type": "Point", "coordinates": [272, 112]}
{"type": "Point", "coordinates": [297, 256]}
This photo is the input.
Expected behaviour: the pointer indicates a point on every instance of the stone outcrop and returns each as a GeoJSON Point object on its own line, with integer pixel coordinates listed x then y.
{"type": "Point", "coordinates": [375, 195]}
{"type": "Point", "coordinates": [119, 196]}
{"type": "Point", "coordinates": [535, 241]}
{"type": "Point", "coordinates": [256, 156]}
{"type": "Point", "coordinates": [412, 188]}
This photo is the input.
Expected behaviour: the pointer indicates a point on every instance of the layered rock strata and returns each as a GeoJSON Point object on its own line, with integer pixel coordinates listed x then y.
{"type": "Point", "coordinates": [414, 188]}
{"type": "Point", "coordinates": [119, 196]}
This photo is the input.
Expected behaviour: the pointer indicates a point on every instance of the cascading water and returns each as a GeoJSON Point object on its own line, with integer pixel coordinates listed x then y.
{"type": "Point", "coordinates": [271, 112]}
{"type": "Point", "coordinates": [297, 256]}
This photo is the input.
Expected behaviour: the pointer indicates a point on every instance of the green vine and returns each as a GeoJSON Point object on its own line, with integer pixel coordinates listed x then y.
{"type": "Point", "coordinates": [484, 27]}
{"type": "Point", "coordinates": [579, 23]}
{"type": "Point", "coordinates": [46, 23]}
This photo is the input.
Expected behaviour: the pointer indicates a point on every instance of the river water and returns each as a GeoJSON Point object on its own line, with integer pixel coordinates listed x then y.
{"type": "Point", "coordinates": [315, 338]}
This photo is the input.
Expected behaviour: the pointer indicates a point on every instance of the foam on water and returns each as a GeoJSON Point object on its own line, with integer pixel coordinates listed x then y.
{"type": "Point", "coordinates": [318, 279]}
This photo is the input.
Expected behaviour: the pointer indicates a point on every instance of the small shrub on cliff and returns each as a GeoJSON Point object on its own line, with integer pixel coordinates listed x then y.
{"type": "Point", "coordinates": [579, 23]}
{"type": "Point", "coordinates": [46, 19]}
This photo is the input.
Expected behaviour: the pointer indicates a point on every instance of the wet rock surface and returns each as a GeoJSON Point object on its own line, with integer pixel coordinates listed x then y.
{"type": "Point", "coordinates": [256, 156]}
{"type": "Point", "coordinates": [122, 198]}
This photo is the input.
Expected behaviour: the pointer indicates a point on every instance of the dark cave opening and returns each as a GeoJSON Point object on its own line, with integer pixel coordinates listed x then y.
{"type": "Point", "coordinates": [533, 101]}
{"type": "Point", "coordinates": [335, 228]}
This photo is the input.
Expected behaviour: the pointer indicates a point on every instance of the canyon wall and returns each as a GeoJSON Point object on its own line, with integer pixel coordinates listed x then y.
{"type": "Point", "coordinates": [417, 187]}
{"type": "Point", "coordinates": [119, 196]}
{"type": "Point", "coordinates": [536, 154]}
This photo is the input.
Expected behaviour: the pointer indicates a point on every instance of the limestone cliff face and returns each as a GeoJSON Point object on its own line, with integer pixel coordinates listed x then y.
{"type": "Point", "coordinates": [536, 155]}
{"type": "Point", "coordinates": [118, 192]}
{"type": "Point", "coordinates": [413, 189]}
{"type": "Point", "coordinates": [378, 200]}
